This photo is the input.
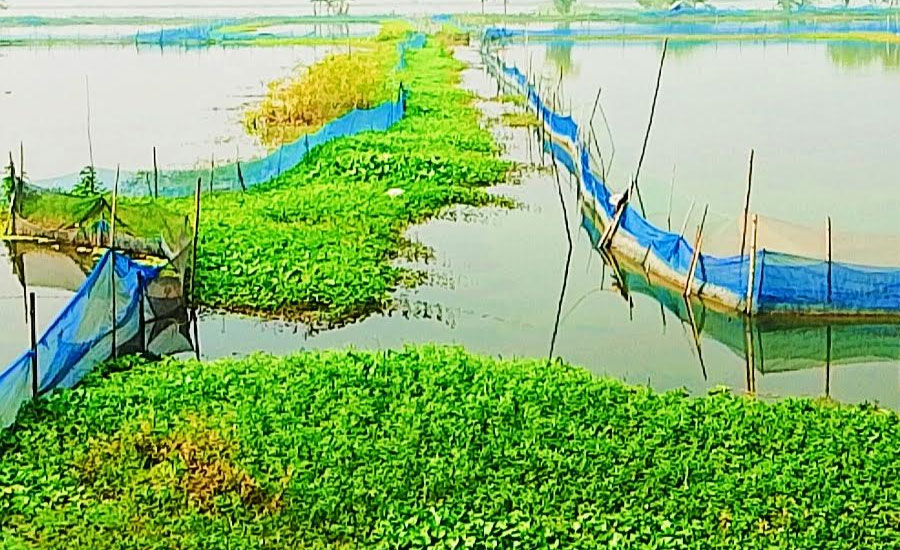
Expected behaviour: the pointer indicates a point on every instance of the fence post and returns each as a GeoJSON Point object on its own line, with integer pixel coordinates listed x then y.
{"type": "Point", "coordinates": [829, 260]}
{"type": "Point", "coordinates": [240, 176]}
{"type": "Point", "coordinates": [34, 357]}
{"type": "Point", "coordinates": [155, 175]}
{"type": "Point", "coordinates": [196, 238]}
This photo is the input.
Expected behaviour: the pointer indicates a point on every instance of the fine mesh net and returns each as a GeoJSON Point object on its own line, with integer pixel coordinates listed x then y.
{"type": "Point", "coordinates": [791, 269]}
{"type": "Point", "coordinates": [81, 336]}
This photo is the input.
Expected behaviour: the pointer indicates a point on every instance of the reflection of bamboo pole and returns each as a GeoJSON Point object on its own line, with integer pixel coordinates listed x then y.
{"type": "Point", "coordinates": [748, 303]}
{"type": "Point", "coordinates": [748, 354]}
{"type": "Point", "coordinates": [698, 244]}
{"type": "Point", "coordinates": [671, 196]}
{"type": "Point", "coordinates": [695, 333]}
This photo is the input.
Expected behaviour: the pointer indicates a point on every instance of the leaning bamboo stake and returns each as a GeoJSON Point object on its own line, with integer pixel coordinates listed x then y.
{"type": "Point", "coordinates": [747, 204]}
{"type": "Point", "coordinates": [637, 173]}
{"type": "Point", "coordinates": [610, 231]}
{"type": "Point", "coordinates": [695, 259]}
{"type": "Point", "coordinates": [112, 267]}
{"type": "Point", "coordinates": [751, 277]}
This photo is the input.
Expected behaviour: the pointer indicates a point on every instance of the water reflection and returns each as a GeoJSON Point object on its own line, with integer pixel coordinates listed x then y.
{"type": "Point", "coordinates": [767, 345]}
{"type": "Point", "coordinates": [54, 274]}
{"type": "Point", "coordinates": [859, 55]}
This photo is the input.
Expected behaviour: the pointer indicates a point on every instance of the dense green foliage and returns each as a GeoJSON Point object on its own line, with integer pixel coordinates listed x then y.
{"type": "Point", "coordinates": [318, 242]}
{"type": "Point", "coordinates": [435, 448]}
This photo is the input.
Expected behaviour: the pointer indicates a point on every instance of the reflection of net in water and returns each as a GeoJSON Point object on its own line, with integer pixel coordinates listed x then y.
{"type": "Point", "coordinates": [149, 316]}
{"type": "Point", "coordinates": [776, 346]}
{"type": "Point", "coordinates": [794, 270]}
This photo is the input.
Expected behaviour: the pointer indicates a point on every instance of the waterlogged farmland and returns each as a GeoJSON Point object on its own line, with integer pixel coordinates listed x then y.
{"type": "Point", "coordinates": [431, 209]}
{"type": "Point", "coordinates": [189, 104]}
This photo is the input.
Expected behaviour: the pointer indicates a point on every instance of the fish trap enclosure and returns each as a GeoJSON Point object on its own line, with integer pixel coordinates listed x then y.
{"type": "Point", "coordinates": [752, 264]}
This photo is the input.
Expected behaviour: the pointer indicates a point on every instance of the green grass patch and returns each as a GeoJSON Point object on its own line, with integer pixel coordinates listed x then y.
{"type": "Point", "coordinates": [436, 448]}
{"type": "Point", "coordinates": [319, 242]}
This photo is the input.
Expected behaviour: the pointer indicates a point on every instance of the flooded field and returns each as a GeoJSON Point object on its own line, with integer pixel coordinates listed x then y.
{"type": "Point", "coordinates": [497, 275]}
{"type": "Point", "coordinates": [189, 104]}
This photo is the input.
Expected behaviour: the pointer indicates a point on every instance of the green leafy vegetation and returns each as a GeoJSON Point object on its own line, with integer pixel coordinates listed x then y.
{"type": "Point", "coordinates": [435, 448]}
{"type": "Point", "coordinates": [318, 243]}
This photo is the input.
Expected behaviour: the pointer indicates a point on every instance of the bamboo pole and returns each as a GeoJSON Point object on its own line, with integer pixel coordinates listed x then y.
{"type": "Point", "coordinates": [155, 175]}
{"type": "Point", "coordinates": [14, 198]}
{"type": "Point", "coordinates": [698, 244]}
{"type": "Point", "coordinates": [829, 261]}
{"type": "Point", "coordinates": [142, 320]}
{"type": "Point", "coordinates": [34, 351]}
{"type": "Point", "coordinates": [212, 172]}
{"type": "Point", "coordinates": [751, 277]}
{"type": "Point", "coordinates": [240, 176]}
{"type": "Point", "coordinates": [637, 173]}
{"type": "Point", "coordinates": [112, 267]}
{"type": "Point", "coordinates": [747, 204]}
{"type": "Point", "coordinates": [196, 238]}
{"type": "Point", "coordinates": [607, 236]}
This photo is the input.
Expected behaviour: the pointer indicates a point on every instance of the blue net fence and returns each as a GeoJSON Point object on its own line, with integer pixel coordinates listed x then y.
{"type": "Point", "coordinates": [234, 175]}
{"type": "Point", "coordinates": [769, 281]}
{"type": "Point", "coordinates": [713, 23]}
{"type": "Point", "coordinates": [81, 335]}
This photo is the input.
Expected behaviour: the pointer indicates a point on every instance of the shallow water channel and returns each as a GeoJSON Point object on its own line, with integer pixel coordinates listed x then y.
{"type": "Point", "coordinates": [497, 274]}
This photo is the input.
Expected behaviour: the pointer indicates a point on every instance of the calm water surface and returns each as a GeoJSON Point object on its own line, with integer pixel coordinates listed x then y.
{"type": "Point", "coordinates": [498, 274]}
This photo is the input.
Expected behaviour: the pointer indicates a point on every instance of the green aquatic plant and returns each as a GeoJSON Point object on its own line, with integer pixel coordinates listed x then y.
{"type": "Point", "coordinates": [318, 243]}
{"type": "Point", "coordinates": [435, 448]}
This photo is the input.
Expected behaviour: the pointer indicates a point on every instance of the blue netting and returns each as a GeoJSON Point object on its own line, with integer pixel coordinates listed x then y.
{"type": "Point", "coordinates": [718, 23]}
{"type": "Point", "coordinates": [81, 335]}
{"type": "Point", "coordinates": [180, 36]}
{"type": "Point", "coordinates": [781, 282]}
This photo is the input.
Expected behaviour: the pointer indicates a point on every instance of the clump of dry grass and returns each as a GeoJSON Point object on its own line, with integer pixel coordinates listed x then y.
{"type": "Point", "coordinates": [359, 79]}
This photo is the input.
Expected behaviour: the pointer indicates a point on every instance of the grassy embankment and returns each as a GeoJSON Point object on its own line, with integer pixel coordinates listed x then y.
{"type": "Point", "coordinates": [319, 242]}
{"type": "Point", "coordinates": [436, 448]}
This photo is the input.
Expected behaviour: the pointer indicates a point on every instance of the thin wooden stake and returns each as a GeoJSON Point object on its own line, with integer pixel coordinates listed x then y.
{"type": "Point", "coordinates": [637, 172]}
{"type": "Point", "coordinates": [34, 351]}
{"type": "Point", "coordinates": [747, 204]}
{"type": "Point", "coordinates": [112, 267]}
{"type": "Point", "coordinates": [15, 196]}
{"type": "Point", "coordinates": [155, 176]}
{"type": "Point", "coordinates": [829, 260]}
{"type": "Point", "coordinates": [196, 238]}
{"type": "Point", "coordinates": [212, 172]}
{"type": "Point", "coordinates": [142, 320]}
{"type": "Point", "coordinates": [240, 176]}
{"type": "Point", "coordinates": [698, 243]}
{"type": "Point", "coordinates": [751, 277]}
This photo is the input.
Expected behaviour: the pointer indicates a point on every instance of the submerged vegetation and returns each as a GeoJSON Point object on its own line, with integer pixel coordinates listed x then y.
{"type": "Point", "coordinates": [436, 448]}
{"type": "Point", "coordinates": [318, 242]}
